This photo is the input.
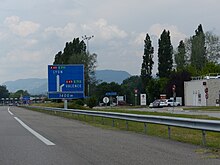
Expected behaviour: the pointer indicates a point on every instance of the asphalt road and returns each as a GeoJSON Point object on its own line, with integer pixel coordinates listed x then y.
{"type": "Point", "coordinates": [72, 142]}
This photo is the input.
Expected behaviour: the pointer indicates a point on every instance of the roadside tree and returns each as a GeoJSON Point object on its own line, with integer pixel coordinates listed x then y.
{"type": "Point", "coordinates": [198, 50]}
{"type": "Point", "coordinates": [212, 44]}
{"type": "Point", "coordinates": [165, 55]}
{"type": "Point", "coordinates": [147, 64]}
{"type": "Point", "coordinates": [4, 93]}
{"type": "Point", "coordinates": [75, 53]}
{"type": "Point", "coordinates": [180, 56]}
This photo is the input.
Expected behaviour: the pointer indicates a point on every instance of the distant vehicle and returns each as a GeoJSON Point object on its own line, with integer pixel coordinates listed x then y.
{"type": "Point", "coordinates": [212, 77]}
{"type": "Point", "coordinates": [171, 103]}
{"type": "Point", "coordinates": [159, 103]}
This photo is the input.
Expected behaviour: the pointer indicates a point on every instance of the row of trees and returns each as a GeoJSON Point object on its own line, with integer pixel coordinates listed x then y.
{"type": "Point", "coordinates": [195, 56]}
{"type": "Point", "coordinates": [4, 93]}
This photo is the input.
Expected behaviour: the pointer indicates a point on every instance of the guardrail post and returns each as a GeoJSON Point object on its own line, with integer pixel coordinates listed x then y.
{"type": "Point", "coordinates": [169, 132]}
{"type": "Point", "coordinates": [113, 122]}
{"type": "Point", "coordinates": [145, 128]}
{"type": "Point", "coordinates": [102, 121]}
{"type": "Point", "coordinates": [203, 137]}
{"type": "Point", "coordinates": [126, 125]}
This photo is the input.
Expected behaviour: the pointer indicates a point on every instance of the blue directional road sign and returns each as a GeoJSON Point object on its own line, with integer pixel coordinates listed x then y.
{"type": "Point", "coordinates": [65, 81]}
{"type": "Point", "coordinates": [111, 94]}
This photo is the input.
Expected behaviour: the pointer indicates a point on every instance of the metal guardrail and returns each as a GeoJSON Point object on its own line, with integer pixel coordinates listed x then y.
{"type": "Point", "coordinates": [198, 124]}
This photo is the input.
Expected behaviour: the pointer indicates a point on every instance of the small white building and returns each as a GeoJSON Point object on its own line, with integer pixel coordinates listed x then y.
{"type": "Point", "coordinates": [202, 92]}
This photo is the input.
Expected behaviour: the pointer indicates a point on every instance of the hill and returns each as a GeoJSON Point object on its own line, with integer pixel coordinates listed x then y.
{"type": "Point", "coordinates": [32, 85]}
{"type": "Point", "coordinates": [112, 76]}
{"type": "Point", "coordinates": [36, 86]}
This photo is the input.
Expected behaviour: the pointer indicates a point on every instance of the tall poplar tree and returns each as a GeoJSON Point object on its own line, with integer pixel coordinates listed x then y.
{"type": "Point", "coordinates": [180, 56]}
{"type": "Point", "coordinates": [198, 50]}
{"type": "Point", "coordinates": [165, 55]}
{"type": "Point", "coordinates": [147, 64]}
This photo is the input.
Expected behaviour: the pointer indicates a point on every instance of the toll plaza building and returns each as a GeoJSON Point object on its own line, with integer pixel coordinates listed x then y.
{"type": "Point", "coordinates": [202, 92]}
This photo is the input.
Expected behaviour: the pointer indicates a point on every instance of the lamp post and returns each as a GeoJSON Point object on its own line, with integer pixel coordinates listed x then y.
{"type": "Point", "coordinates": [87, 38]}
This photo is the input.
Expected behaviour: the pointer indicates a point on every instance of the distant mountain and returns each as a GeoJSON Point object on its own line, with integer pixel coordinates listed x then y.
{"type": "Point", "coordinates": [112, 76]}
{"type": "Point", "coordinates": [32, 85]}
{"type": "Point", "coordinates": [36, 86]}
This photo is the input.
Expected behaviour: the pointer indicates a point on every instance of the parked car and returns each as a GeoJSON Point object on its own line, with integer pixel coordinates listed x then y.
{"type": "Point", "coordinates": [159, 103]}
{"type": "Point", "coordinates": [171, 103]}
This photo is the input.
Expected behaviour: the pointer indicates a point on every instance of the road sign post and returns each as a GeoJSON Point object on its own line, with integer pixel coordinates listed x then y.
{"type": "Point", "coordinates": [135, 96]}
{"type": "Point", "coordinates": [174, 94]}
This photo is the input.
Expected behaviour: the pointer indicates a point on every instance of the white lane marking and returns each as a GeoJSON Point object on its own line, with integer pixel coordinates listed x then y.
{"type": "Point", "coordinates": [10, 111]}
{"type": "Point", "coordinates": [40, 137]}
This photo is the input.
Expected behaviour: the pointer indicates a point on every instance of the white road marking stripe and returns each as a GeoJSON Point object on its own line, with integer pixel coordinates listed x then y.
{"type": "Point", "coordinates": [40, 137]}
{"type": "Point", "coordinates": [10, 111]}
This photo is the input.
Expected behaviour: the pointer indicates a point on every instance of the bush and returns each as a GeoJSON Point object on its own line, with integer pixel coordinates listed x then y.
{"type": "Point", "coordinates": [79, 102]}
{"type": "Point", "coordinates": [91, 102]}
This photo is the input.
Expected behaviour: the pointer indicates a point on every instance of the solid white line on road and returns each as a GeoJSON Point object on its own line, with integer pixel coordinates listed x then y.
{"type": "Point", "coordinates": [40, 137]}
{"type": "Point", "coordinates": [10, 111]}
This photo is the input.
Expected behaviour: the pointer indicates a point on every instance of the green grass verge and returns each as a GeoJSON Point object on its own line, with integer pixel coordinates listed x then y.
{"type": "Point", "coordinates": [178, 134]}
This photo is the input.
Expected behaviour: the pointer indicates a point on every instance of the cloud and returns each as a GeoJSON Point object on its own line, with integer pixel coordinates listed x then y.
{"type": "Point", "coordinates": [100, 28]}
{"type": "Point", "coordinates": [21, 58]}
{"type": "Point", "coordinates": [107, 31]}
{"type": "Point", "coordinates": [18, 64]}
{"type": "Point", "coordinates": [63, 32]}
{"type": "Point", "coordinates": [21, 28]}
{"type": "Point", "coordinates": [2, 35]}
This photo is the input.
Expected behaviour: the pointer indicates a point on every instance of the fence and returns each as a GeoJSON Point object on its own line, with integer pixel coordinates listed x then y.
{"type": "Point", "coordinates": [198, 124]}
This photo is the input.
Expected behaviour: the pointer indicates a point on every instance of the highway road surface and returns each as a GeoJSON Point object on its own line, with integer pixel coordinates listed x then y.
{"type": "Point", "coordinates": [32, 138]}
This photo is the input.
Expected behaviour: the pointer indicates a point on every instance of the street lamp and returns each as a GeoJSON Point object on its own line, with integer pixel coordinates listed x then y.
{"type": "Point", "coordinates": [87, 38]}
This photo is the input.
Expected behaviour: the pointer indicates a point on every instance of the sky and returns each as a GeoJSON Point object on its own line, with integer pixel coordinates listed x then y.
{"type": "Point", "coordinates": [32, 32]}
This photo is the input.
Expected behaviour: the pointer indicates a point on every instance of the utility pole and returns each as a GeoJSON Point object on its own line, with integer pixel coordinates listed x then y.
{"type": "Point", "coordinates": [87, 38]}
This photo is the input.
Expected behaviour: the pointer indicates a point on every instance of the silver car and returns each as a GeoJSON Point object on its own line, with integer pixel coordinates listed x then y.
{"type": "Point", "coordinates": [159, 103]}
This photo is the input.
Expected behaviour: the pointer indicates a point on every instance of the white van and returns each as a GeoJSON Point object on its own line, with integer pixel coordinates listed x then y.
{"type": "Point", "coordinates": [171, 103]}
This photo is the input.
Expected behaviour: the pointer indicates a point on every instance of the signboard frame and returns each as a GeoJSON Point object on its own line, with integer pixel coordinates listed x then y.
{"type": "Point", "coordinates": [66, 81]}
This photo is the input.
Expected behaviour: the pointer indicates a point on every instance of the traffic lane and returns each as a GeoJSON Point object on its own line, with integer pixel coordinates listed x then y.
{"type": "Point", "coordinates": [20, 147]}
{"type": "Point", "coordinates": [101, 146]}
